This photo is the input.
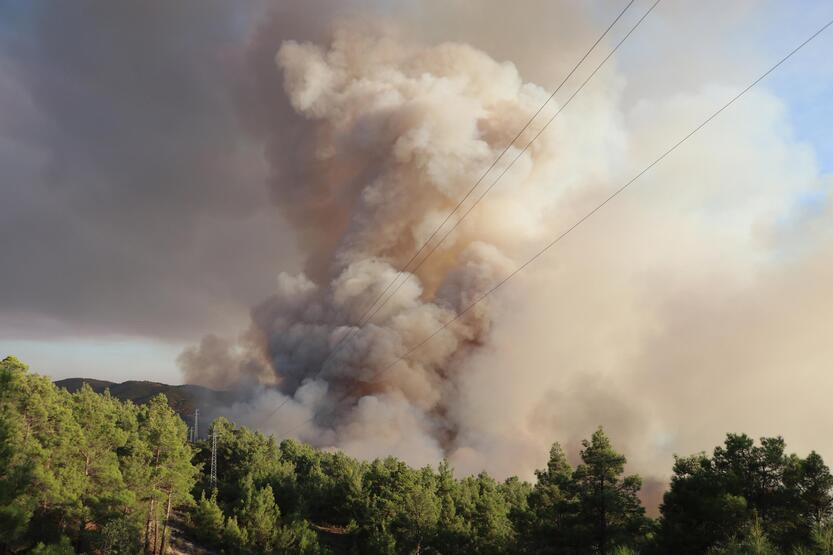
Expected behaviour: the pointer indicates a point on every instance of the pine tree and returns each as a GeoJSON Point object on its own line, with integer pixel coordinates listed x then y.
{"type": "Point", "coordinates": [816, 489]}
{"type": "Point", "coordinates": [609, 512]}
{"type": "Point", "coordinates": [712, 498]}
{"type": "Point", "coordinates": [234, 538]}
{"type": "Point", "coordinates": [105, 495]}
{"type": "Point", "coordinates": [259, 515]}
{"type": "Point", "coordinates": [172, 476]}
{"type": "Point", "coordinates": [41, 478]}
{"type": "Point", "coordinates": [208, 521]}
{"type": "Point", "coordinates": [547, 526]}
{"type": "Point", "coordinates": [420, 512]}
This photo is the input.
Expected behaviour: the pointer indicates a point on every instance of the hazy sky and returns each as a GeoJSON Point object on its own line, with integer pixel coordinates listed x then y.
{"type": "Point", "coordinates": [134, 214]}
{"type": "Point", "coordinates": [131, 203]}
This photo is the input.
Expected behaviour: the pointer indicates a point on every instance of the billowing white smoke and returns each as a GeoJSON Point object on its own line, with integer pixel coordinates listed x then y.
{"type": "Point", "coordinates": [671, 318]}
{"type": "Point", "coordinates": [396, 136]}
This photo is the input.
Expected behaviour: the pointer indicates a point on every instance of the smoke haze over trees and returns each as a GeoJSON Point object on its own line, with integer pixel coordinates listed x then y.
{"type": "Point", "coordinates": [84, 472]}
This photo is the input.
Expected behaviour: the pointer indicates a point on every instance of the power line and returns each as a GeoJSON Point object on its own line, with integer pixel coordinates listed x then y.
{"type": "Point", "coordinates": [494, 163]}
{"type": "Point", "coordinates": [274, 412]}
{"type": "Point", "coordinates": [213, 475]}
{"type": "Point", "coordinates": [517, 156]}
{"type": "Point", "coordinates": [609, 198]}
{"type": "Point", "coordinates": [616, 193]}
{"type": "Point", "coordinates": [366, 315]}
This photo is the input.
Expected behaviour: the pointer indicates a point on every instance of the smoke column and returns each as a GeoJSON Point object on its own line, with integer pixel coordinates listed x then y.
{"type": "Point", "coordinates": [395, 136]}
{"type": "Point", "coordinates": [693, 306]}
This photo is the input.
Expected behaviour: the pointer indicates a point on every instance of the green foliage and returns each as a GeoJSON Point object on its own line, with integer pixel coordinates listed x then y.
{"type": "Point", "coordinates": [742, 489]}
{"type": "Point", "coordinates": [299, 538]}
{"type": "Point", "coordinates": [208, 521]}
{"type": "Point", "coordinates": [121, 537]}
{"type": "Point", "coordinates": [822, 537]}
{"type": "Point", "coordinates": [260, 516]}
{"type": "Point", "coordinates": [233, 535]}
{"type": "Point", "coordinates": [592, 508]}
{"type": "Point", "coordinates": [751, 541]}
{"type": "Point", "coordinates": [609, 510]}
{"type": "Point", "coordinates": [243, 516]}
{"type": "Point", "coordinates": [63, 547]}
{"type": "Point", "coordinates": [85, 472]}
{"type": "Point", "coordinates": [547, 525]}
{"type": "Point", "coordinates": [76, 469]}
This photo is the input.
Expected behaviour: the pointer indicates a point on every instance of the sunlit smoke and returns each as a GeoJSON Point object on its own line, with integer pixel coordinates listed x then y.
{"type": "Point", "coordinates": [670, 318]}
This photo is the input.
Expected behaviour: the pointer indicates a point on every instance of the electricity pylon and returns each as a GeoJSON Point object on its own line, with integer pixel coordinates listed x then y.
{"type": "Point", "coordinates": [213, 478]}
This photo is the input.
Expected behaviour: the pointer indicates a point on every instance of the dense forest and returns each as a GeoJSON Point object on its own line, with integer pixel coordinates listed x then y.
{"type": "Point", "coordinates": [85, 472]}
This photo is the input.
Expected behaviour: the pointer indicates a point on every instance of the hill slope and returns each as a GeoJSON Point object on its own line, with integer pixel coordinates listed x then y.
{"type": "Point", "coordinates": [182, 398]}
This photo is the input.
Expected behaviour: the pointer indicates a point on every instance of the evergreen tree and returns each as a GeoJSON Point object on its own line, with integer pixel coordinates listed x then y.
{"type": "Point", "coordinates": [713, 500]}
{"type": "Point", "coordinates": [486, 514]}
{"type": "Point", "coordinates": [172, 475]}
{"type": "Point", "coordinates": [821, 537]}
{"type": "Point", "coordinates": [451, 527]}
{"type": "Point", "coordinates": [420, 512]}
{"type": "Point", "coordinates": [78, 467]}
{"type": "Point", "coordinates": [208, 521]}
{"type": "Point", "coordinates": [608, 509]}
{"type": "Point", "coordinates": [234, 538]}
{"type": "Point", "coordinates": [120, 536]}
{"type": "Point", "coordinates": [41, 476]}
{"type": "Point", "coordinates": [259, 515]}
{"type": "Point", "coordinates": [547, 526]}
{"type": "Point", "coordinates": [298, 538]}
{"type": "Point", "coordinates": [815, 486]}
{"type": "Point", "coordinates": [85, 472]}
{"type": "Point", "coordinates": [105, 495]}
{"type": "Point", "coordinates": [592, 508]}
{"type": "Point", "coordinates": [62, 547]}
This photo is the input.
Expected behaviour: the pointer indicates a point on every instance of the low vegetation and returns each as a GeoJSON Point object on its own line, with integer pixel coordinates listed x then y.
{"type": "Point", "coordinates": [85, 472]}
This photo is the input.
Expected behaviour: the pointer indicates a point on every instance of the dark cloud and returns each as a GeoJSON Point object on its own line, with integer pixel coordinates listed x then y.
{"type": "Point", "coordinates": [134, 196]}
{"type": "Point", "coordinates": [131, 200]}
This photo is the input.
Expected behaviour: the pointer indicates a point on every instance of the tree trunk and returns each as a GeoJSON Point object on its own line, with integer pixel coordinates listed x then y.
{"type": "Point", "coordinates": [165, 526]}
{"type": "Point", "coordinates": [149, 529]}
{"type": "Point", "coordinates": [602, 519]}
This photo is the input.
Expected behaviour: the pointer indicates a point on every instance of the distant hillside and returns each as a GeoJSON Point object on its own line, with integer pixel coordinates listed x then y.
{"type": "Point", "coordinates": [182, 398]}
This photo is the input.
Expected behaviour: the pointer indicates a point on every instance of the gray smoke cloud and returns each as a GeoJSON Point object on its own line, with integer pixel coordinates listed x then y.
{"type": "Point", "coordinates": [394, 136]}
{"type": "Point", "coordinates": [131, 195]}
{"type": "Point", "coordinates": [692, 306]}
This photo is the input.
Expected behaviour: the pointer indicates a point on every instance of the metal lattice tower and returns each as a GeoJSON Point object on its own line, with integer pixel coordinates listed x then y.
{"type": "Point", "coordinates": [213, 479]}
{"type": "Point", "coordinates": [196, 424]}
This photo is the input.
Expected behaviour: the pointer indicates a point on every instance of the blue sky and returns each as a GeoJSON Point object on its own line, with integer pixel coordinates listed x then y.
{"type": "Point", "coordinates": [808, 93]}
{"type": "Point", "coordinates": [806, 84]}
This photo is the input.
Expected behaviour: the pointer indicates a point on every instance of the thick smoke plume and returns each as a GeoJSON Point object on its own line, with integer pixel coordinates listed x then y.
{"type": "Point", "coordinates": [395, 136]}
{"type": "Point", "coordinates": [685, 310]}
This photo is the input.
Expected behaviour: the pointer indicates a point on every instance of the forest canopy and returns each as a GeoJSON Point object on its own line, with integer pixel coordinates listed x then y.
{"type": "Point", "coordinates": [85, 472]}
